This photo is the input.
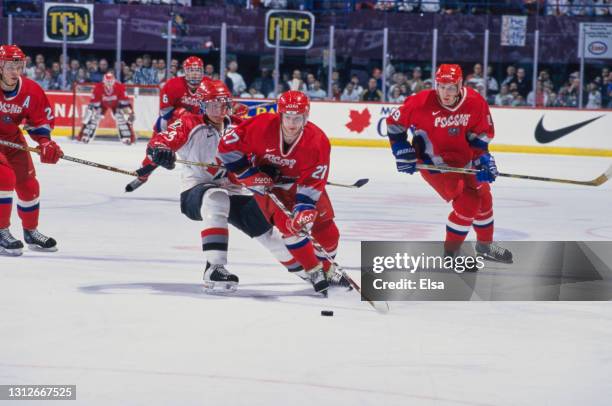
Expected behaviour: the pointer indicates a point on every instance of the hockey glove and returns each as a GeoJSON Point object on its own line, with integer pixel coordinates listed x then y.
{"type": "Point", "coordinates": [255, 180]}
{"type": "Point", "coordinates": [162, 155]}
{"type": "Point", "coordinates": [487, 169]}
{"type": "Point", "coordinates": [405, 156]}
{"type": "Point", "coordinates": [304, 216]}
{"type": "Point", "coordinates": [50, 152]}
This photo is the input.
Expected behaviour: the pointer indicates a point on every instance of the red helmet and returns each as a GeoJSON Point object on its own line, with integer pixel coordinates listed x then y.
{"type": "Point", "coordinates": [449, 73]}
{"type": "Point", "coordinates": [213, 90]}
{"type": "Point", "coordinates": [194, 70]}
{"type": "Point", "coordinates": [293, 102]}
{"type": "Point", "coordinates": [109, 79]}
{"type": "Point", "coordinates": [11, 53]}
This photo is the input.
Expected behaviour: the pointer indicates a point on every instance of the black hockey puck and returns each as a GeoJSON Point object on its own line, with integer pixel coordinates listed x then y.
{"type": "Point", "coordinates": [327, 313]}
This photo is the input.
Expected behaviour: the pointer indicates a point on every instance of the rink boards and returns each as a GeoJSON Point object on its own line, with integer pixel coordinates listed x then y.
{"type": "Point", "coordinates": [560, 131]}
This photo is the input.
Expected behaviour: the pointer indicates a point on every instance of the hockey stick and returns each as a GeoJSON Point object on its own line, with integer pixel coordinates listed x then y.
{"type": "Point", "coordinates": [70, 158]}
{"type": "Point", "coordinates": [356, 185]}
{"type": "Point", "coordinates": [381, 307]}
{"type": "Point", "coordinates": [600, 180]}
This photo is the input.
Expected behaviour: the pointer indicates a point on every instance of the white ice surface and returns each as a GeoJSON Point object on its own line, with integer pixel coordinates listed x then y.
{"type": "Point", "coordinates": [119, 312]}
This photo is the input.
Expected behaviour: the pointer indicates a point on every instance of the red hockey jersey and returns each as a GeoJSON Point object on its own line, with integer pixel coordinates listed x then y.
{"type": "Point", "coordinates": [260, 139]}
{"type": "Point", "coordinates": [27, 103]}
{"type": "Point", "coordinates": [112, 99]}
{"type": "Point", "coordinates": [452, 136]}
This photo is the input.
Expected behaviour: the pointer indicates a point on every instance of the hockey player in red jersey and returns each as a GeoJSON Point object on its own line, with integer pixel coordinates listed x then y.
{"type": "Point", "coordinates": [22, 100]}
{"type": "Point", "coordinates": [180, 92]}
{"type": "Point", "coordinates": [109, 94]}
{"type": "Point", "coordinates": [271, 147]}
{"type": "Point", "coordinates": [452, 126]}
{"type": "Point", "coordinates": [208, 194]}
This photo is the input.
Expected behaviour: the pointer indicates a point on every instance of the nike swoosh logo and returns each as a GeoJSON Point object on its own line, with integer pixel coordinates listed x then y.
{"type": "Point", "coordinates": [543, 136]}
{"type": "Point", "coordinates": [435, 113]}
{"type": "Point", "coordinates": [270, 149]}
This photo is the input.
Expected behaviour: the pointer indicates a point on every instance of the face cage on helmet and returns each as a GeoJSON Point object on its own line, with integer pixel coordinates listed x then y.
{"type": "Point", "coordinates": [227, 101]}
{"type": "Point", "coordinates": [190, 75]}
{"type": "Point", "coordinates": [19, 65]}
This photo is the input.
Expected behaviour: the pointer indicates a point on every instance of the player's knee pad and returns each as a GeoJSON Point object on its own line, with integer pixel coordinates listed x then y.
{"type": "Point", "coordinates": [7, 178]}
{"type": "Point", "coordinates": [191, 201]}
{"type": "Point", "coordinates": [486, 198]}
{"type": "Point", "coordinates": [467, 203]}
{"type": "Point", "coordinates": [327, 235]}
{"type": "Point", "coordinates": [216, 204]}
{"type": "Point", "coordinates": [246, 216]}
{"type": "Point", "coordinates": [28, 190]}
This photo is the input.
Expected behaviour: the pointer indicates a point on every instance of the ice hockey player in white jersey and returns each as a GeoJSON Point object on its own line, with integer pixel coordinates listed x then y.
{"type": "Point", "coordinates": [209, 195]}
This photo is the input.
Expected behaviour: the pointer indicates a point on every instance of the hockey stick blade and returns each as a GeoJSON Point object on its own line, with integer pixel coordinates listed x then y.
{"type": "Point", "coordinates": [356, 185]}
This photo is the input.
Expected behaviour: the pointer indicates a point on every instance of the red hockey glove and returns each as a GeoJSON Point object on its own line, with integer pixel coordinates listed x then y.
{"type": "Point", "coordinates": [304, 216]}
{"type": "Point", "coordinates": [255, 180]}
{"type": "Point", "coordinates": [50, 152]}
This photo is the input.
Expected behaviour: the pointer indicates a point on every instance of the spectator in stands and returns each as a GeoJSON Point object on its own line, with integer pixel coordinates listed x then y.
{"type": "Point", "coordinates": [350, 94]}
{"type": "Point", "coordinates": [522, 83]}
{"type": "Point", "coordinates": [56, 77]}
{"type": "Point", "coordinates": [82, 76]}
{"type": "Point", "coordinates": [39, 59]}
{"type": "Point", "coordinates": [280, 89]}
{"type": "Point", "coordinates": [145, 74]}
{"type": "Point", "coordinates": [93, 74]}
{"type": "Point", "coordinates": [336, 79]}
{"type": "Point", "coordinates": [252, 93]}
{"type": "Point", "coordinates": [544, 77]}
{"type": "Point", "coordinates": [316, 93]}
{"type": "Point", "coordinates": [476, 75]}
{"type": "Point", "coordinates": [396, 96]}
{"type": "Point", "coordinates": [416, 83]}
{"type": "Point", "coordinates": [296, 82]}
{"type": "Point", "coordinates": [209, 70]}
{"type": "Point", "coordinates": [377, 74]}
{"type": "Point", "coordinates": [356, 86]}
{"type": "Point", "coordinates": [398, 79]}
{"type": "Point", "coordinates": [603, 88]}
{"type": "Point", "coordinates": [609, 90]}
{"type": "Point", "coordinates": [127, 75]}
{"type": "Point", "coordinates": [30, 69]}
{"type": "Point", "coordinates": [593, 97]}
{"type": "Point", "coordinates": [510, 75]}
{"type": "Point", "coordinates": [310, 80]}
{"type": "Point", "coordinates": [264, 82]}
{"type": "Point", "coordinates": [73, 72]}
{"type": "Point", "coordinates": [492, 85]}
{"type": "Point", "coordinates": [372, 93]}
{"type": "Point", "coordinates": [602, 7]}
{"type": "Point", "coordinates": [430, 6]}
{"type": "Point", "coordinates": [237, 79]}
{"type": "Point", "coordinates": [405, 89]}
{"type": "Point", "coordinates": [407, 5]}
{"type": "Point", "coordinates": [103, 66]}
{"type": "Point", "coordinates": [336, 92]}
{"type": "Point", "coordinates": [557, 7]}
{"type": "Point", "coordinates": [40, 78]}
{"type": "Point", "coordinates": [581, 8]}
{"type": "Point", "coordinates": [539, 98]}
{"type": "Point", "coordinates": [427, 84]}
{"type": "Point", "coordinates": [503, 98]}
{"type": "Point", "coordinates": [160, 71]}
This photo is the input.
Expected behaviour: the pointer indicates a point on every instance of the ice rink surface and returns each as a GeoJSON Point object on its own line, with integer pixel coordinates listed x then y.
{"type": "Point", "coordinates": [119, 310]}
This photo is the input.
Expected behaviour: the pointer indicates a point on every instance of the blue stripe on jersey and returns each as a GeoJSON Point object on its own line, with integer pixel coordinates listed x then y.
{"type": "Point", "coordinates": [6, 200]}
{"type": "Point", "coordinates": [482, 225]}
{"type": "Point", "coordinates": [452, 230]}
{"type": "Point", "coordinates": [28, 209]}
{"type": "Point", "coordinates": [238, 165]}
{"type": "Point", "coordinates": [40, 131]}
{"type": "Point", "coordinates": [303, 199]}
{"type": "Point", "coordinates": [298, 244]}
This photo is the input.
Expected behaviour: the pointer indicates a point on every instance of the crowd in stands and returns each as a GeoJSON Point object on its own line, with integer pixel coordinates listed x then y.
{"type": "Point", "coordinates": [511, 90]}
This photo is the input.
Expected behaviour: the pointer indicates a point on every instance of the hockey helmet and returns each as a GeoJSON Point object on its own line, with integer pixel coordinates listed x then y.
{"type": "Point", "coordinates": [11, 53]}
{"type": "Point", "coordinates": [449, 73]}
{"type": "Point", "coordinates": [211, 91]}
{"type": "Point", "coordinates": [108, 80]}
{"type": "Point", "coordinates": [293, 102]}
{"type": "Point", "coordinates": [194, 70]}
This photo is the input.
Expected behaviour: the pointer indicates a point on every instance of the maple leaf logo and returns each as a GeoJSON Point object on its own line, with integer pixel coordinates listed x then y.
{"type": "Point", "coordinates": [359, 120]}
